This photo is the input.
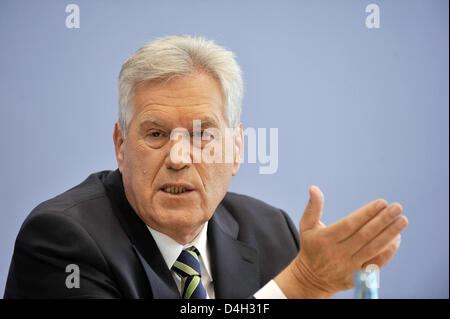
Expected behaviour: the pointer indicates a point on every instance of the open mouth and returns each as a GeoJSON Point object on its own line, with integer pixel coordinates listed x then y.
{"type": "Point", "coordinates": [176, 189]}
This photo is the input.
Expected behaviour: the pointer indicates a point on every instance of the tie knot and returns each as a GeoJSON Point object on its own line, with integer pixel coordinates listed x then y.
{"type": "Point", "coordinates": [187, 264]}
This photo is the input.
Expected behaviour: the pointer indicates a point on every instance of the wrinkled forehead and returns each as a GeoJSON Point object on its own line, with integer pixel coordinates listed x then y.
{"type": "Point", "coordinates": [179, 100]}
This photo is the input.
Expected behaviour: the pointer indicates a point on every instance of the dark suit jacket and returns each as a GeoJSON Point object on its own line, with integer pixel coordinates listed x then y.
{"type": "Point", "coordinates": [93, 226]}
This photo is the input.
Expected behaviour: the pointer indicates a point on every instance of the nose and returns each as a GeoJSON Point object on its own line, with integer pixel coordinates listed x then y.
{"type": "Point", "coordinates": [179, 156]}
{"type": "Point", "coordinates": [175, 165]}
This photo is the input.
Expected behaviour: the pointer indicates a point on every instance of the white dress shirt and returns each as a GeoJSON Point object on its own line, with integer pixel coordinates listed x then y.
{"type": "Point", "coordinates": [171, 249]}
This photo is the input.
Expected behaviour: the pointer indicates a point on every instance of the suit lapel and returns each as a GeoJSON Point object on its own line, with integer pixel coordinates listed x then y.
{"type": "Point", "coordinates": [234, 264]}
{"type": "Point", "coordinates": [142, 242]}
{"type": "Point", "coordinates": [161, 289]}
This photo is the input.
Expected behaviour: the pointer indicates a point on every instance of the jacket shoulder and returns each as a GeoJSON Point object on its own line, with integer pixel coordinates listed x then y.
{"type": "Point", "coordinates": [247, 200]}
{"type": "Point", "coordinates": [90, 189]}
{"type": "Point", "coordinates": [240, 204]}
{"type": "Point", "coordinates": [55, 235]}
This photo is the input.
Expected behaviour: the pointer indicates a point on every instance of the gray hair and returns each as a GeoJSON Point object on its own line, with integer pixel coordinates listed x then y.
{"type": "Point", "coordinates": [171, 56]}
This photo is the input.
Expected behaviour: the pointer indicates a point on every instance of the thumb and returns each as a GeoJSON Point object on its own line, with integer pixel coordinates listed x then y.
{"type": "Point", "coordinates": [313, 212]}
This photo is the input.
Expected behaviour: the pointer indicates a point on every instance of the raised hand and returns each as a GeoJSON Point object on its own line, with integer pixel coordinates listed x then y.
{"type": "Point", "coordinates": [330, 255]}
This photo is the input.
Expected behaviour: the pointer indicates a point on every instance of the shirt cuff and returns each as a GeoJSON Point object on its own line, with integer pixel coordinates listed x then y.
{"type": "Point", "coordinates": [270, 291]}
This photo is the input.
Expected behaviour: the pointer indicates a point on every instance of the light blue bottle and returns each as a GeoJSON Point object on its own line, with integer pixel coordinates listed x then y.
{"type": "Point", "coordinates": [367, 283]}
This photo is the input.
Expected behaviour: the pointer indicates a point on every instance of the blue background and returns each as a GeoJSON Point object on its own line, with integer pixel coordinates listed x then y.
{"type": "Point", "coordinates": [362, 113]}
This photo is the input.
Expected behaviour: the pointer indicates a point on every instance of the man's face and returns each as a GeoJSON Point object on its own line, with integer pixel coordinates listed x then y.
{"type": "Point", "coordinates": [149, 173]}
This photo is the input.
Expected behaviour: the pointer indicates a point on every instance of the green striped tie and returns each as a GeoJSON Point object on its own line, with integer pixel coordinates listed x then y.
{"type": "Point", "coordinates": [187, 267]}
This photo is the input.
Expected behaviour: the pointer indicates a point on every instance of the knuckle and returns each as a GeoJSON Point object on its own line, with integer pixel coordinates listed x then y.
{"type": "Point", "coordinates": [386, 218]}
{"type": "Point", "coordinates": [371, 213]}
{"type": "Point", "coordinates": [372, 210]}
{"type": "Point", "coordinates": [401, 222]}
{"type": "Point", "coordinates": [394, 232]}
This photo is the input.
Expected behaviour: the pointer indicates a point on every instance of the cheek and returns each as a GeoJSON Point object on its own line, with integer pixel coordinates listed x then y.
{"type": "Point", "coordinates": [139, 155]}
{"type": "Point", "coordinates": [131, 163]}
{"type": "Point", "coordinates": [216, 178]}
{"type": "Point", "coordinates": [141, 165]}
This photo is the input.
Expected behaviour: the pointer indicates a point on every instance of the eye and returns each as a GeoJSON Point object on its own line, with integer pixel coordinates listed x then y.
{"type": "Point", "coordinates": [154, 134]}
{"type": "Point", "coordinates": [156, 138]}
{"type": "Point", "coordinates": [203, 134]}
{"type": "Point", "coordinates": [206, 135]}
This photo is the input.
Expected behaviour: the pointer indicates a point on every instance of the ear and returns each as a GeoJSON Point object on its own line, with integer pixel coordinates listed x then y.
{"type": "Point", "coordinates": [119, 144]}
{"type": "Point", "coordinates": [238, 148]}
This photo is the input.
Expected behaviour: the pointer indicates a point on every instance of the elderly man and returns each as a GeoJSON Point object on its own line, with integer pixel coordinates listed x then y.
{"type": "Point", "coordinates": [164, 225]}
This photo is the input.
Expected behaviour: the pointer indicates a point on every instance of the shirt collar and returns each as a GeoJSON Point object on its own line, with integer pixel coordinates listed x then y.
{"type": "Point", "coordinates": [171, 249]}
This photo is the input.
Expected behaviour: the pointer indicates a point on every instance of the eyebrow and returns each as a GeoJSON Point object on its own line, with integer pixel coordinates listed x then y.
{"type": "Point", "coordinates": [152, 120]}
{"type": "Point", "coordinates": [205, 122]}
{"type": "Point", "coordinates": [209, 122]}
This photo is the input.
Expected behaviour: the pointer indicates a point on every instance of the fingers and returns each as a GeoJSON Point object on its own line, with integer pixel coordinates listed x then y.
{"type": "Point", "coordinates": [347, 226]}
{"type": "Point", "coordinates": [313, 212]}
{"type": "Point", "coordinates": [376, 245]}
{"type": "Point", "coordinates": [385, 255]}
{"type": "Point", "coordinates": [372, 228]}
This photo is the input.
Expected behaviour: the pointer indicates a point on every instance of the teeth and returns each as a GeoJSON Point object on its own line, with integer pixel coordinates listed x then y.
{"type": "Point", "coordinates": [175, 189]}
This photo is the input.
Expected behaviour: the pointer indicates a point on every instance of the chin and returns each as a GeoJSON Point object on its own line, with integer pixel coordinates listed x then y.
{"type": "Point", "coordinates": [172, 216]}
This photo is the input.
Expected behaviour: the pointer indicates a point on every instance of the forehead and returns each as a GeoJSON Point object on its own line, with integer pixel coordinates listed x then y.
{"type": "Point", "coordinates": [181, 99]}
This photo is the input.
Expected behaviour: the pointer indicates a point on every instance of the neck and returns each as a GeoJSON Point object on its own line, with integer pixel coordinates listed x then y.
{"type": "Point", "coordinates": [181, 237]}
